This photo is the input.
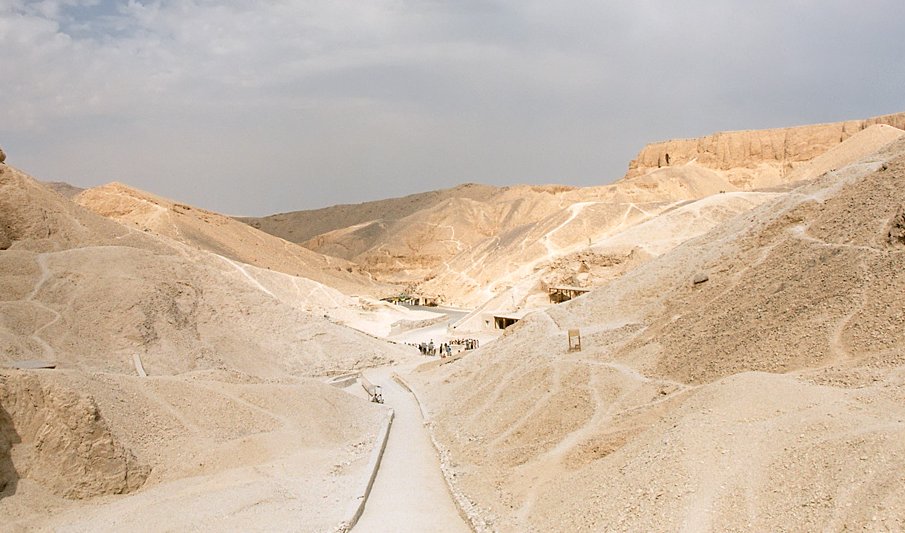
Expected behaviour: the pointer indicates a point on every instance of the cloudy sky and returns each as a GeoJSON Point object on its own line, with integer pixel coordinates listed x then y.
{"type": "Point", "coordinates": [256, 107]}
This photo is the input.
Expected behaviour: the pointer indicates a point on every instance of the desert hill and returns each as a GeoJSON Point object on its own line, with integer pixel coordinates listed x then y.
{"type": "Point", "coordinates": [517, 258]}
{"type": "Point", "coordinates": [63, 188]}
{"type": "Point", "coordinates": [641, 232]}
{"type": "Point", "coordinates": [227, 406]}
{"type": "Point", "coordinates": [751, 378]}
{"type": "Point", "coordinates": [429, 242]}
{"type": "Point", "coordinates": [410, 248]}
{"type": "Point", "coordinates": [225, 236]}
{"type": "Point", "coordinates": [300, 226]}
{"type": "Point", "coordinates": [98, 290]}
{"type": "Point", "coordinates": [755, 158]}
{"type": "Point", "coordinates": [466, 249]}
{"type": "Point", "coordinates": [609, 257]}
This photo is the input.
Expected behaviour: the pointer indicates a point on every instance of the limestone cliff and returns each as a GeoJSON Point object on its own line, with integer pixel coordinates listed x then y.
{"type": "Point", "coordinates": [754, 158]}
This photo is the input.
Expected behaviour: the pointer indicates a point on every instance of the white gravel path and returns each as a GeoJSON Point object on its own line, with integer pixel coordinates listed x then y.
{"type": "Point", "coordinates": [409, 494]}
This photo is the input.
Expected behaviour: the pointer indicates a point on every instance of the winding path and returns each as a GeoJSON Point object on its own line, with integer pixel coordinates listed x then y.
{"type": "Point", "coordinates": [48, 352]}
{"type": "Point", "coordinates": [409, 493]}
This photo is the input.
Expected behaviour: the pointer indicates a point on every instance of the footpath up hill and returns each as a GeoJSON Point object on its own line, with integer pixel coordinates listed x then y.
{"type": "Point", "coordinates": [471, 244]}
{"type": "Point", "coordinates": [225, 423]}
{"type": "Point", "coordinates": [604, 231]}
{"type": "Point", "coordinates": [86, 291]}
{"type": "Point", "coordinates": [769, 397]}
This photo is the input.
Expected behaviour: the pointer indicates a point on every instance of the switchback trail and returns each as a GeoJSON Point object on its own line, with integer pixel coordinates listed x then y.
{"type": "Point", "coordinates": [409, 494]}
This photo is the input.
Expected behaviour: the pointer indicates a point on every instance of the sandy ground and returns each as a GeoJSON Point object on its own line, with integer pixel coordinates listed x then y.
{"type": "Point", "coordinates": [409, 494]}
{"type": "Point", "coordinates": [220, 452]}
{"type": "Point", "coordinates": [225, 433]}
{"type": "Point", "coordinates": [767, 398]}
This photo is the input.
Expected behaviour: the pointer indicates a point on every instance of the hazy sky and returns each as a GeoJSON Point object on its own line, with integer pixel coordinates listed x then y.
{"type": "Point", "coordinates": [256, 107]}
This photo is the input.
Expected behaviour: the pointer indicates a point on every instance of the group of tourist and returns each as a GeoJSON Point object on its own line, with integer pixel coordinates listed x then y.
{"type": "Point", "coordinates": [469, 344]}
{"type": "Point", "coordinates": [445, 349]}
{"type": "Point", "coordinates": [428, 348]}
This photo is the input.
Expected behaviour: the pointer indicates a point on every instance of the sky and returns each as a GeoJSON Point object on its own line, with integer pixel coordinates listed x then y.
{"type": "Point", "coordinates": [259, 107]}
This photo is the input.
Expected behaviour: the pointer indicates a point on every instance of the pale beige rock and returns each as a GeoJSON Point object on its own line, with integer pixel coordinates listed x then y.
{"type": "Point", "coordinates": [471, 246]}
{"type": "Point", "coordinates": [770, 395]}
{"type": "Point", "coordinates": [859, 145]}
{"type": "Point", "coordinates": [59, 439]}
{"type": "Point", "coordinates": [756, 158]}
{"type": "Point", "coordinates": [224, 425]}
{"type": "Point", "coordinates": [225, 236]}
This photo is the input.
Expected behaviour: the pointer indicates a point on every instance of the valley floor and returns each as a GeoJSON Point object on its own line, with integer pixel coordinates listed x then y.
{"type": "Point", "coordinates": [409, 493]}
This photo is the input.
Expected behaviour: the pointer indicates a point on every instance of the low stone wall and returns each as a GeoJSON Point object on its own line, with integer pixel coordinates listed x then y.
{"type": "Point", "coordinates": [357, 507]}
{"type": "Point", "coordinates": [465, 506]}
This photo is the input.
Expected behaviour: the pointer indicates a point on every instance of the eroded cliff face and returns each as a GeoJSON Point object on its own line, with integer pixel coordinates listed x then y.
{"type": "Point", "coordinates": [754, 158]}
{"type": "Point", "coordinates": [56, 437]}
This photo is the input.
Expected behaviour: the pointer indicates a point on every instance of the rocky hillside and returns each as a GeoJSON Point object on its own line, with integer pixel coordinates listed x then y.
{"type": "Point", "coordinates": [752, 378]}
{"type": "Point", "coordinates": [181, 380]}
{"type": "Point", "coordinates": [755, 158]}
{"type": "Point", "coordinates": [225, 236]}
{"type": "Point", "coordinates": [471, 244]}
{"type": "Point", "coordinates": [301, 226]}
{"type": "Point", "coordinates": [85, 291]}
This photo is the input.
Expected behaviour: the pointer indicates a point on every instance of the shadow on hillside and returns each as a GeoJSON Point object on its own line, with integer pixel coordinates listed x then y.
{"type": "Point", "coordinates": [9, 477]}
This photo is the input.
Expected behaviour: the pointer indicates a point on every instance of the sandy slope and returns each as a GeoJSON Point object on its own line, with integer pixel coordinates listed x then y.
{"type": "Point", "coordinates": [610, 257]}
{"type": "Point", "coordinates": [225, 425]}
{"type": "Point", "coordinates": [300, 226]}
{"type": "Point", "coordinates": [468, 248]}
{"type": "Point", "coordinates": [768, 398]}
{"type": "Point", "coordinates": [237, 452]}
{"type": "Point", "coordinates": [296, 276]}
{"type": "Point", "coordinates": [225, 236]}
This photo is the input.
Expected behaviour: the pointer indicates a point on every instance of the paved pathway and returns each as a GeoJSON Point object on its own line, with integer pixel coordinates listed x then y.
{"type": "Point", "coordinates": [409, 494]}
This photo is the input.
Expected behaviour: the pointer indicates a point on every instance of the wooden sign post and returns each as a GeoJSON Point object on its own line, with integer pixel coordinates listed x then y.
{"type": "Point", "coordinates": [574, 340]}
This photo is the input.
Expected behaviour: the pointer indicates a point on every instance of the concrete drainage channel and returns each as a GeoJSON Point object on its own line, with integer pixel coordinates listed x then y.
{"type": "Point", "coordinates": [475, 523]}
{"type": "Point", "coordinates": [357, 507]}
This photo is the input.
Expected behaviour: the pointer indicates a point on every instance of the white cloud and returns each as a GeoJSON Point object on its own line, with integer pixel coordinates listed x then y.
{"type": "Point", "coordinates": [319, 99]}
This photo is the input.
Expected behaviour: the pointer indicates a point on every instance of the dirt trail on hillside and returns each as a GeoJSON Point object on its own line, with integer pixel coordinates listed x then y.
{"type": "Point", "coordinates": [768, 396]}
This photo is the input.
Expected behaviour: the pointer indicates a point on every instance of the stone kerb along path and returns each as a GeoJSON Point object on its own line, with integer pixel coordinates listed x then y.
{"type": "Point", "coordinates": [409, 494]}
{"type": "Point", "coordinates": [463, 505]}
{"type": "Point", "coordinates": [357, 507]}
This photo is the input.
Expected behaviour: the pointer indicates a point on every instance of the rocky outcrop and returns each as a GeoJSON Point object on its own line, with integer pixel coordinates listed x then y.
{"type": "Point", "coordinates": [57, 438]}
{"type": "Point", "coordinates": [2, 156]}
{"type": "Point", "coordinates": [754, 158]}
{"type": "Point", "coordinates": [896, 234]}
